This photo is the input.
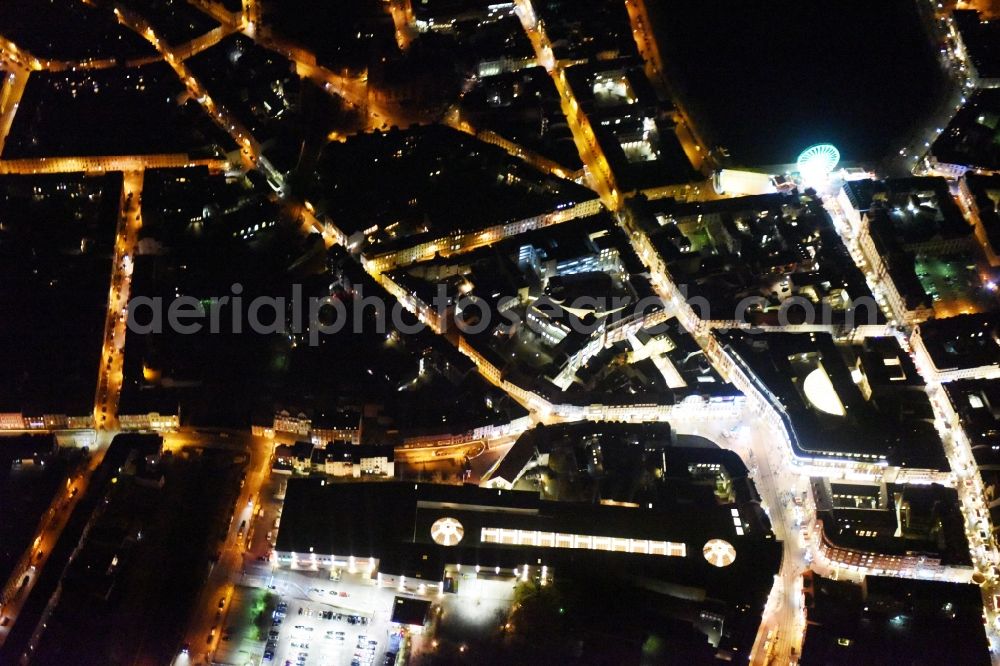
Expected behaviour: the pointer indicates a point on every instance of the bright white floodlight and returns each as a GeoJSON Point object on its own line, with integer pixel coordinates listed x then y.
{"type": "Point", "coordinates": [818, 161]}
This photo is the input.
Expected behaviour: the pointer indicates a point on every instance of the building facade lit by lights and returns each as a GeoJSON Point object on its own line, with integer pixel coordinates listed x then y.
{"type": "Point", "coordinates": [962, 347]}
{"type": "Point", "coordinates": [429, 540]}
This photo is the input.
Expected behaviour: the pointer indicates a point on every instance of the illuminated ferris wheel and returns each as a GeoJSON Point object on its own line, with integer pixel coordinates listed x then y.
{"type": "Point", "coordinates": [818, 161]}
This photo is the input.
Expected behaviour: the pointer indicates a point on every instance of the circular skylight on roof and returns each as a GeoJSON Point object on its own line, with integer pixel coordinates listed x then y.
{"type": "Point", "coordinates": [719, 553]}
{"type": "Point", "coordinates": [447, 531]}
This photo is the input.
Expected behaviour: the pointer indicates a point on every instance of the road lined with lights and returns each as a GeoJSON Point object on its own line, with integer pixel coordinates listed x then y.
{"type": "Point", "coordinates": [353, 90]}
{"type": "Point", "coordinates": [401, 12]}
{"type": "Point", "coordinates": [781, 632]}
{"type": "Point", "coordinates": [55, 519]}
{"type": "Point", "coordinates": [202, 42]}
{"type": "Point", "coordinates": [109, 379]}
{"type": "Point", "coordinates": [783, 619]}
{"type": "Point", "coordinates": [21, 64]}
{"type": "Point", "coordinates": [208, 618]}
{"type": "Point", "coordinates": [972, 498]}
{"type": "Point", "coordinates": [914, 155]}
{"type": "Point", "coordinates": [10, 51]}
{"type": "Point", "coordinates": [15, 79]}
{"type": "Point", "coordinates": [785, 613]}
{"type": "Point", "coordinates": [598, 168]}
{"type": "Point", "coordinates": [694, 146]}
{"type": "Point", "coordinates": [249, 148]}
{"type": "Point", "coordinates": [109, 383]}
{"type": "Point", "coordinates": [453, 119]}
{"type": "Point", "coordinates": [849, 237]}
{"type": "Point", "coordinates": [111, 373]}
{"type": "Point", "coordinates": [964, 475]}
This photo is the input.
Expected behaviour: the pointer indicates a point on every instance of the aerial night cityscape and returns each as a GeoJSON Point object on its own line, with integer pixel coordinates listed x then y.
{"type": "Point", "coordinates": [420, 332]}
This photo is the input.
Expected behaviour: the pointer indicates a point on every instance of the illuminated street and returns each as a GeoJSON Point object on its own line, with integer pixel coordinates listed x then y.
{"type": "Point", "coordinates": [598, 169]}
{"type": "Point", "coordinates": [249, 148]}
{"type": "Point", "coordinates": [109, 382]}
{"type": "Point", "coordinates": [204, 633]}
{"type": "Point", "coordinates": [33, 561]}
{"type": "Point", "coordinates": [10, 95]}
{"type": "Point", "coordinates": [694, 147]}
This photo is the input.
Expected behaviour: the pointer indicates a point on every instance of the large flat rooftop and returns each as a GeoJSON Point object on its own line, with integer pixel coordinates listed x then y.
{"type": "Point", "coordinates": [926, 622]}
{"type": "Point", "coordinates": [963, 342]}
{"type": "Point", "coordinates": [416, 529]}
{"type": "Point", "coordinates": [865, 404]}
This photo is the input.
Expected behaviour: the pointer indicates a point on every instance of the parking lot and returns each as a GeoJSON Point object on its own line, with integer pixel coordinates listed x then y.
{"type": "Point", "coordinates": [315, 633]}
{"type": "Point", "coordinates": [313, 617]}
{"type": "Point", "coordinates": [315, 621]}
